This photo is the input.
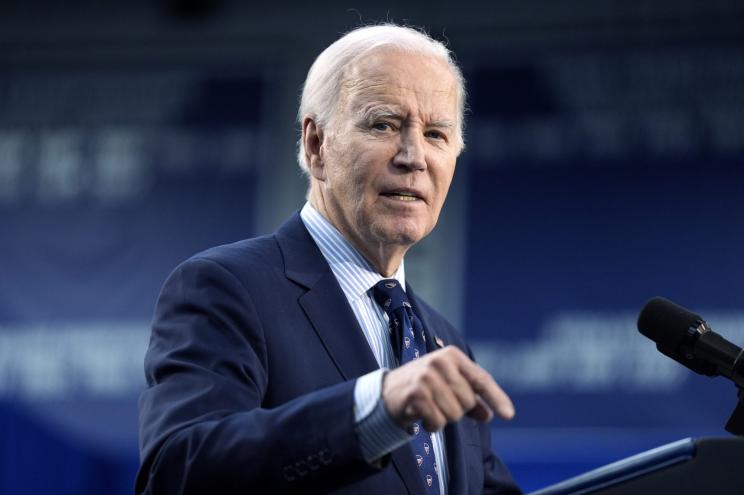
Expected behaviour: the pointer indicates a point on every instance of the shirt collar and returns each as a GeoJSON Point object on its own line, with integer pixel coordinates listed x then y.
{"type": "Point", "coordinates": [354, 273]}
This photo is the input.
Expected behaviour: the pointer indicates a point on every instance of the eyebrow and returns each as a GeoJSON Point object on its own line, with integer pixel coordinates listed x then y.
{"type": "Point", "coordinates": [377, 112]}
{"type": "Point", "coordinates": [380, 111]}
{"type": "Point", "coordinates": [442, 124]}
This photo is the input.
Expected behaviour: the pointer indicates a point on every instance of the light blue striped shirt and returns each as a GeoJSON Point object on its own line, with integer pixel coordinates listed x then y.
{"type": "Point", "coordinates": [378, 432]}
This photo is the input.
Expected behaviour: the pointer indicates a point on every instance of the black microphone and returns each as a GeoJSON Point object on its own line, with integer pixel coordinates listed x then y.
{"type": "Point", "coordinates": [685, 337]}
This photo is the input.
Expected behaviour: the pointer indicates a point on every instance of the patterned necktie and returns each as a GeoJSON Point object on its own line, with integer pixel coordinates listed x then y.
{"type": "Point", "coordinates": [409, 343]}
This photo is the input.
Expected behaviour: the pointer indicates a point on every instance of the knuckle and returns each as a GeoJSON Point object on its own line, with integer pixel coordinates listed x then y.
{"type": "Point", "coordinates": [426, 381]}
{"type": "Point", "coordinates": [440, 366]}
{"type": "Point", "coordinates": [428, 374]}
{"type": "Point", "coordinates": [414, 407]}
{"type": "Point", "coordinates": [480, 378]}
{"type": "Point", "coordinates": [468, 402]}
{"type": "Point", "coordinates": [452, 351]}
{"type": "Point", "coordinates": [454, 414]}
{"type": "Point", "coordinates": [419, 395]}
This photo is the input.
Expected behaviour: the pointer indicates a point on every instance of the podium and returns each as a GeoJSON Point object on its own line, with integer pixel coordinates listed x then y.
{"type": "Point", "coordinates": [708, 466]}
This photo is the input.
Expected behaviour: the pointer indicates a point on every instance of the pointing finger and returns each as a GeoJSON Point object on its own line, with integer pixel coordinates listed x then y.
{"type": "Point", "coordinates": [488, 390]}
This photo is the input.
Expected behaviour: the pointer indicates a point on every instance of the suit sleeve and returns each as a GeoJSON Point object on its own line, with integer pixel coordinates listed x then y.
{"type": "Point", "coordinates": [202, 425]}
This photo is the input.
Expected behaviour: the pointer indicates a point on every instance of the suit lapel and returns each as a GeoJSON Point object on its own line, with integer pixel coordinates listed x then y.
{"type": "Point", "coordinates": [336, 326]}
{"type": "Point", "coordinates": [404, 461]}
{"type": "Point", "coordinates": [328, 310]}
{"type": "Point", "coordinates": [324, 302]}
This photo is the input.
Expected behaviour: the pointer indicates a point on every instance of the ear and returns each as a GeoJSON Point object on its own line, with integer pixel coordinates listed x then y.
{"type": "Point", "coordinates": [312, 138]}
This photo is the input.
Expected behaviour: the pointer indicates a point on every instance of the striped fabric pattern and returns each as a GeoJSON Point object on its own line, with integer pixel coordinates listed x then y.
{"type": "Point", "coordinates": [379, 435]}
{"type": "Point", "coordinates": [356, 277]}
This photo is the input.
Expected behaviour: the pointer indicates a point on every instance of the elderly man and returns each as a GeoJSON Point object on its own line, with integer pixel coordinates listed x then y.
{"type": "Point", "coordinates": [302, 362]}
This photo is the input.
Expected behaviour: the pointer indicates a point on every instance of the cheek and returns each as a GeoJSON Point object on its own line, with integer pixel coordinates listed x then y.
{"type": "Point", "coordinates": [442, 181]}
{"type": "Point", "coordinates": [351, 189]}
{"type": "Point", "coordinates": [340, 174]}
{"type": "Point", "coordinates": [361, 177]}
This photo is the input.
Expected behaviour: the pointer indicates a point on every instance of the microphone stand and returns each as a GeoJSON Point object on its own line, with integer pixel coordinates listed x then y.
{"type": "Point", "coordinates": [735, 424]}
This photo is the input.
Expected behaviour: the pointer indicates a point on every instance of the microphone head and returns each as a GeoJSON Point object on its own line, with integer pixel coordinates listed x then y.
{"type": "Point", "coordinates": [666, 323]}
{"type": "Point", "coordinates": [675, 331]}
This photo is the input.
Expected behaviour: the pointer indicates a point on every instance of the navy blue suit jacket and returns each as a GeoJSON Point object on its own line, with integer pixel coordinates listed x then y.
{"type": "Point", "coordinates": [251, 369]}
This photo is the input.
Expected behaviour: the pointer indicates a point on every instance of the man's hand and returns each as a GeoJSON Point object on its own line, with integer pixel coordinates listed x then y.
{"type": "Point", "coordinates": [441, 387]}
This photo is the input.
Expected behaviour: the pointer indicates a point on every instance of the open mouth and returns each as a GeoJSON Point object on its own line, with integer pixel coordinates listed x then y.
{"type": "Point", "coordinates": [402, 195]}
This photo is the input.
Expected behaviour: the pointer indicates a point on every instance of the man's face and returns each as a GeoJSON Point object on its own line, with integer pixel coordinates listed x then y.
{"type": "Point", "coordinates": [390, 151]}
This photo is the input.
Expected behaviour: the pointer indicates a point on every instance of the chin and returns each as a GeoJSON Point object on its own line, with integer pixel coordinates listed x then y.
{"type": "Point", "coordinates": [405, 235]}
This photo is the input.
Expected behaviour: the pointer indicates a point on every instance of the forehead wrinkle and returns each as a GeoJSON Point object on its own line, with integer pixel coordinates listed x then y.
{"type": "Point", "coordinates": [374, 94]}
{"type": "Point", "coordinates": [387, 104]}
{"type": "Point", "coordinates": [379, 85]}
{"type": "Point", "coordinates": [353, 87]}
{"type": "Point", "coordinates": [383, 89]}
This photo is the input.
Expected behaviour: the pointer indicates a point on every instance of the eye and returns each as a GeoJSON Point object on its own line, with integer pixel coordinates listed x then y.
{"type": "Point", "coordinates": [434, 134]}
{"type": "Point", "coordinates": [382, 126]}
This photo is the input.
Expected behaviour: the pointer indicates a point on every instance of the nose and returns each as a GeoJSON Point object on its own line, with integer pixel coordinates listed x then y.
{"type": "Point", "coordinates": [411, 153]}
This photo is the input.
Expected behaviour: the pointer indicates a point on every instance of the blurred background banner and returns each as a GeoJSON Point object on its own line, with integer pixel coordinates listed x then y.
{"type": "Point", "coordinates": [604, 165]}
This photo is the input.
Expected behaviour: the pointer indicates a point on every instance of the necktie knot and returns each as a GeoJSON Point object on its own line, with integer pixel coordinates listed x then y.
{"type": "Point", "coordinates": [390, 295]}
{"type": "Point", "coordinates": [406, 331]}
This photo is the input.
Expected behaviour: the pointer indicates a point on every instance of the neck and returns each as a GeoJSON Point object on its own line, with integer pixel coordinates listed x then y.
{"type": "Point", "coordinates": [384, 261]}
{"type": "Point", "coordinates": [384, 258]}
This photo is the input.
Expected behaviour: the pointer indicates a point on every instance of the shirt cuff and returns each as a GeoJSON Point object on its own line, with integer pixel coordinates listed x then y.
{"type": "Point", "coordinates": [377, 431]}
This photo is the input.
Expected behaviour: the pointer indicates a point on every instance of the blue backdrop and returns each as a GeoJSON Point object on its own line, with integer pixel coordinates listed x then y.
{"type": "Point", "coordinates": [594, 181]}
{"type": "Point", "coordinates": [560, 260]}
{"type": "Point", "coordinates": [95, 210]}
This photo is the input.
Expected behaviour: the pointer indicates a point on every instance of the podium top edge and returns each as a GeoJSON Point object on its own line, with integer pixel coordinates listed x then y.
{"type": "Point", "coordinates": [624, 469]}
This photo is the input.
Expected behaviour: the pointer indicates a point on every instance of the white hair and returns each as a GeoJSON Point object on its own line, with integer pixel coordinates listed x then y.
{"type": "Point", "coordinates": [324, 82]}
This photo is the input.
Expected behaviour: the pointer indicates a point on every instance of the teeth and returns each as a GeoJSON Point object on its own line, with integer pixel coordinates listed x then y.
{"type": "Point", "coordinates": [404, 197]}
